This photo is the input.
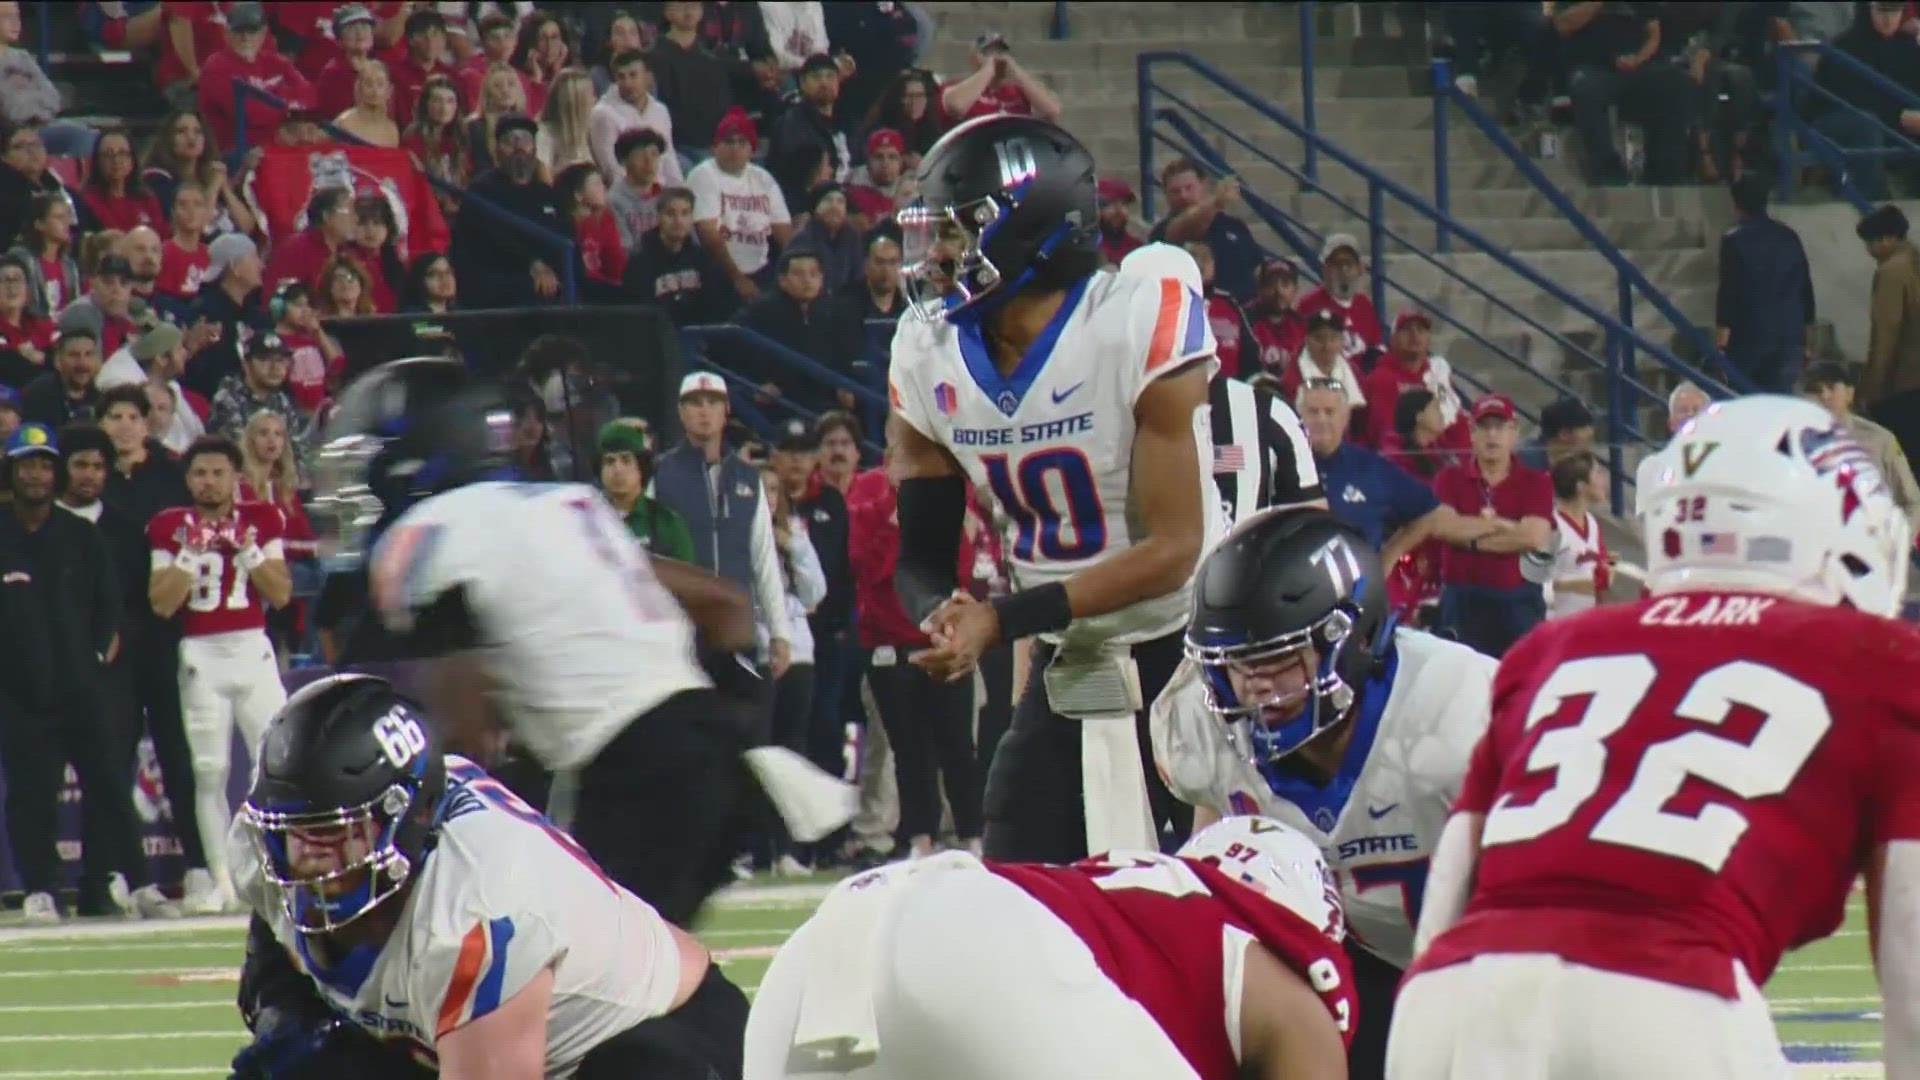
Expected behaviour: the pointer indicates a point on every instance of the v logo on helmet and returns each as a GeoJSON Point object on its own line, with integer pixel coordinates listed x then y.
{"type": "Point", "coordinates": [1694, 455]}
{"type": "Point", "coordinates": [1016, 162]}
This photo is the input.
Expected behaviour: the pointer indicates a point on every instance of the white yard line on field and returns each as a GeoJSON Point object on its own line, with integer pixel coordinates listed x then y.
{"type": "Point", "coordinates": [122, 1006]}
{"type": "Point", "coordinates": [136, 928]}
{"type": "Point", "coordinates": [185, 974]}
{"type": "Point", "coordinates": [1809, 1002]}
{"type": "Point", "coordinates": [238, 1034]}
{"type": "Point", "coordinates": [85, 1074]}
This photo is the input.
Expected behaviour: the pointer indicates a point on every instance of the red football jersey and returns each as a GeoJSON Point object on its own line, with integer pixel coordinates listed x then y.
{"type": "Point", "coordinates": [1676, 784]}
{"type": "Point", "coordinates": [1161, 929]}
{"type": "Point", "coordinates": [222, 600]}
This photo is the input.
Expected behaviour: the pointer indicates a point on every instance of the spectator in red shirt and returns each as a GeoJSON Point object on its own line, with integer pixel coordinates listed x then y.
{"type": "Point", "coordinates": [25, 337]}
{"type": "Point", "coordinates": [113, 192]}
{"type": "Point", "coordinates": [542, 52]}
{"type": "Point", "coordinates": [1408, 364]}
{"type": "Point", "coordinates": [331, 224]}
{"type": "Point", "coordinates": [1280, 330]}
{"type": "Point", "coordinates": [436, 138]}
{"type": "Point", "coordinates": [1484, 599]}
{"type": "Point", "coordinates": [1117, 235]}
{"type": "Point", "coordinates": [926, 721]}
{"type": "Point", "coordinates": [315, 26]}
{"type": "Point", "coordinates": [378, 248]}
{"type": "Point", "coordinates": [191, 31]}
{"type": "Point", "coordinates": [426, 41]}
{"type": "Point", "coordinates": [247, 59]}
{"type": "Point", "coordinates": [583, 199]}
{"type": "Point", "coordinates": [317, 359]}
{"type": "Point", "coordinates": [183, 258]}
{"type": "Point", "coordinates": [1339, 292]}
{"type": "Point", "coordinates": [998, 85]}
{"type": "Point", "coordinates": [1417, 441]}
{"type": "Point", "coordinates": [46, 249]}
{"type": "Point", "coordinates": [344, 289]}
{"type": "Point", "coordinates": [880, 187]}
{"type": "Point", "coordinates": [353, 29]}
{"type": "Point", "coordinates": [1233, 337]}
{"type": "Point", "coordinates": [496, 47]}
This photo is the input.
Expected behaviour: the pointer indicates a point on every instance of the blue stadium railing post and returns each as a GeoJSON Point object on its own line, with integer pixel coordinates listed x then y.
{"type": "Point", "coordinates": [1306, 87]}
{"type": "Point", "coordinates": [1143, 89]}
{"type": "Point", "coordinates": [1057, 29]}
{"type": "Point", "coordinates": [1377, 243]}
{"type": "Point", "coordinates": [45, 35]}
{"type": "Point", "coordinates": [1442, 190]}
{"type": "Point", "coordinates": [1620, 365]}
{"type": "Point", "coordinates": [1783, 131]}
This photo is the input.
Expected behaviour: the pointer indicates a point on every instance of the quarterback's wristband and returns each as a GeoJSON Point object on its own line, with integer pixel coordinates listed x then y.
{"type": "Point", "coordinates": [250, 558]}
{"type": "Point", "coordinates": [1033, 611]}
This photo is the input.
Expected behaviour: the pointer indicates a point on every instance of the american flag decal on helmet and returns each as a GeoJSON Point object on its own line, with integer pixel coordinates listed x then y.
{"type": "Point", "coordinates": [1834, 451]}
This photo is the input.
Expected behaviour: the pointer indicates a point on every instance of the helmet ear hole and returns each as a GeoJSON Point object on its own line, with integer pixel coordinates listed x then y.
{"type": "Point", "coordinates": [1855, 565]}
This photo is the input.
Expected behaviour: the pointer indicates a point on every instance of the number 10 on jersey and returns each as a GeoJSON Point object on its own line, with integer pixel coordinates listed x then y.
{"type": "Point", "coordinates": [1054, 504]}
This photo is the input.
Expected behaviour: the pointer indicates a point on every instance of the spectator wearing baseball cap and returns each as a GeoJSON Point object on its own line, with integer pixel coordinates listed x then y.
{"type": "Point", "coordinates": [626, 468]}
{"type": "Point", "coordinates": [1339, 291]}
{"type": "Point", "coordinates": [341, 57]}
{"type": "Point", "coordinates": [1279, 330]}
{"type": "Point", "coordinates": [693, 82]}
{"type": "Point", "coordinates": [724, 504]}
{"type": "Point", "coordinates": [60, 631]}
{"type": "Point", "coordinates": [757, 219]}
{"type": "Point", "coordinates": [107, 308]}
{"type": "Point", "coordinates": [809, 129]}
{"type": "Point", "coordinates": [999, 84]}
{"type": "Point", "coordinates": [1324, 360]}
{"type": "Point", "coordinates": [1566, 427]}
{"type": "Point", "coordinates": [247, 58]}
{"type": "Point", "coordinates": [231, 300]}
{"type": "Point", "coordinates": [1409, 363]}
{"type": "Point", "coordinates": [1484, 599]}
{"type": "Point", "coordinates": [1118, 235]}
{"type": "Point", "coordinates": [883, 185]}
{"type": "Point", "coordinates": [259, 386]}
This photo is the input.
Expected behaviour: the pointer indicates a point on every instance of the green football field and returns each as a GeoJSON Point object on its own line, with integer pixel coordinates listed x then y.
{"type": "Point", "coordinates": [156, 999]}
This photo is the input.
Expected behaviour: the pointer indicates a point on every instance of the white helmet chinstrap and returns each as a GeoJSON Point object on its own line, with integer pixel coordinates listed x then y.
{"type": "Point", "coordinates": [1772, 494]}
{"type": "Point", "coordinates": [1276, 860]}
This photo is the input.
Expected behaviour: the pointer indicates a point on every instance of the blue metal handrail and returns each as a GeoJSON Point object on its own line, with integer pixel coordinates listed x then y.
{"type": "Point", "coordinates": [1793, 75]}
{"type": "Point", "coordinates": [1631, 278]}
{"type": "Point", "coordinates": [1623, 341]}
{"type": "Point", "coordinates": [1057, 27]}
{"type": "Point", "coordinates": [694, 340]}
{"type": "Point", "coordinates": [569, 287]}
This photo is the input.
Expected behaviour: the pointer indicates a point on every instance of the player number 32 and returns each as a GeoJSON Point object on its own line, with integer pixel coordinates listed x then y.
{"type": "Point", "coordinates": [1795, 718]}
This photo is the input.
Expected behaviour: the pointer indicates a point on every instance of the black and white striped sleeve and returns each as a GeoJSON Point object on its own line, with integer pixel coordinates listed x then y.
{"type": "Point", "coordinates": [1292, 476]}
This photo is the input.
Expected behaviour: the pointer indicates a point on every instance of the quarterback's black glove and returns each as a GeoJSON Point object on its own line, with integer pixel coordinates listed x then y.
{"type": "Point", "coordinates": [283, 1045]}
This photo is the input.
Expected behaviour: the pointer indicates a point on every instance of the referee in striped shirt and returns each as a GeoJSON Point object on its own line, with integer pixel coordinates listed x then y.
{"type": "Point", "coordinates": [1261, 457]}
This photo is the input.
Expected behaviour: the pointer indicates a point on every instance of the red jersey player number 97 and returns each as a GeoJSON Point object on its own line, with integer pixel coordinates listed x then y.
{"type": "Point", "coordinates": [1794, 720]}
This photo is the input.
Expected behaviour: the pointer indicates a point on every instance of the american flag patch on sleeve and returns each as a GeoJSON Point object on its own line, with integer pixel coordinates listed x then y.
{"type": "Point", "coordinates": [1229, 459]}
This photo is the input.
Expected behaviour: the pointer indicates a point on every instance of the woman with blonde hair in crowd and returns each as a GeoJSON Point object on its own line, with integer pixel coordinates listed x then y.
{"type": "Point", "coordinates": [563, 138]}
{"type": "Point", "coordinates": [501, 93]}
{"type": "Point", "coordinates": [269, 474]}
{"type": "Point", "coordinates": [178, 152]}
{"type": "Point", "coordinates": [370, 119]}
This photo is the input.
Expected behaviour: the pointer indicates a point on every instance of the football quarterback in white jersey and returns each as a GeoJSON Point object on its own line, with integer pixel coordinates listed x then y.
{"type": "Point", "coordinates": [1078, 397]}
{"type": "Point", "coordinates": [537, 606]}
{"type": "Point", "coordinates": [413, 917]}
{"type": "Point", "coordinates": [1303, 701]}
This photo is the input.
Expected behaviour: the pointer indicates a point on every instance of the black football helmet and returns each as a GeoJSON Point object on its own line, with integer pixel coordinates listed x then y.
{"type": "Point", "coordinates": [399, 433]}
{"type": "Point", "coordinates": [999, 196]}
{"type": "Point", "coordinates": [1282, 581]}
{"type": "Point", "coordinates": [343, 807]}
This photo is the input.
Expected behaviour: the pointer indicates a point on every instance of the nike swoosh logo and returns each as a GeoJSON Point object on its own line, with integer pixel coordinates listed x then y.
{"type": "Point", "coordinates": [1380, 812]}
{"type": "Point", "coordinates": [1062, 395]}
{"type": "Point", "coordinates": [392, 1004]}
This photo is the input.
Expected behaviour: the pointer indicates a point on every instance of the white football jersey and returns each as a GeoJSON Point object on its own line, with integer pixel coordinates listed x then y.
{"type": "Point", "coordinates": [1378, 821]}
{"type": "Point", "coordinates": [571, 622]}
{"type": "Point", "coordinates": [1053, 441]}
{"type": "Point", "coordinates": [1578, 552]}
{"type": "Point", "coordinates": [501, 895]}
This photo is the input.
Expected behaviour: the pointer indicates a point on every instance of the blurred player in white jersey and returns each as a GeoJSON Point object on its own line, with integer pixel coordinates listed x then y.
{"type": "Point", "coordinates": [413, 917]}
{"type": "Point", "coordinates": [1304, 702]}
{"type": "Point", "coordinates": [1078, 397]}
{"type": "Point", "coordinates": [1221, 962]}
{"type": "Point", "coordinates": [540, 613]}
{"type": "Point", "coordinates": [217, 566]}
{"type": "Point", "coordinates": [1674, 792]}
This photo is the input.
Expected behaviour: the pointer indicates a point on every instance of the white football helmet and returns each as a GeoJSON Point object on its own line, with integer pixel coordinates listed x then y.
{"type": "Point", "coordinates": [1772, 494]}
{"type": "Point", "coordinates": [1277, 861]}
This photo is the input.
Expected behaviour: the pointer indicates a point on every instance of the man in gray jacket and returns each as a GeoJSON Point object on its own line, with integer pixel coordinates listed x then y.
{"type": "Point", "coordinates": [725, 507]}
